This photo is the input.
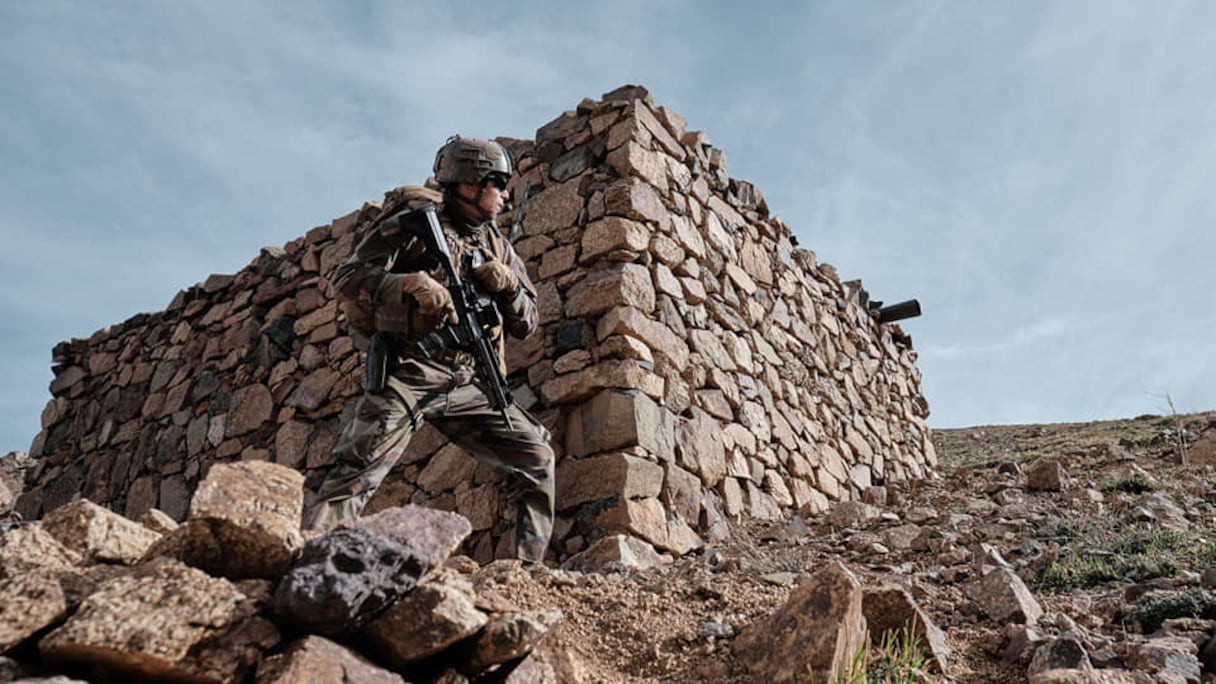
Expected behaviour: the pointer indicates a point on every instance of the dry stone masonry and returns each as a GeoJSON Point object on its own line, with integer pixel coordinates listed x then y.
{"type": "Point", "coordinates": [692, 362]}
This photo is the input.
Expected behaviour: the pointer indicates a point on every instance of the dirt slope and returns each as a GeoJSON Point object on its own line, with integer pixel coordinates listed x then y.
{"type": "Point", "coordinates": [677, 624]}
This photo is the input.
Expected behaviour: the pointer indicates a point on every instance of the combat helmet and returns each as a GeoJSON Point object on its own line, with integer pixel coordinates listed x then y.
{"type": "Point", "coordinates": [469, 160]}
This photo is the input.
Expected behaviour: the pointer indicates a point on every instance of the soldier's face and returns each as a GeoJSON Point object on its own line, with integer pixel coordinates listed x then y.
{"type": "Point", "coordinates": [490, 198]}
{"type": "Point", "coordinates": [493, 199]}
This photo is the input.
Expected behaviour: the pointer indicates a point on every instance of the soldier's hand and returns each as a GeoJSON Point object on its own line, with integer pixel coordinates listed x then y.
{"type": "Point", "coordinates": [432, 297]}
{"type": "Point", "coordinates": [495, 277]}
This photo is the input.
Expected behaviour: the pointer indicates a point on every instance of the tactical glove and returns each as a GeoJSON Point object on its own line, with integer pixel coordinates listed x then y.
{"type": "Point", "coordinates": [432, 297]}
{"type": "Point", "coordinates": [496, 277]}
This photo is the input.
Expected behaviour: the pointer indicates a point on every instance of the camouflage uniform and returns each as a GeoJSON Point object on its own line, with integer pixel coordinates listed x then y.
{"type": "Point", "coordinates": [441, 391]}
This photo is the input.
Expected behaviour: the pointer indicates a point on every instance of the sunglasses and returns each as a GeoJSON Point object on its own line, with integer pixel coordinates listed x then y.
{"type": "Point", "coordinates": [498, 180]}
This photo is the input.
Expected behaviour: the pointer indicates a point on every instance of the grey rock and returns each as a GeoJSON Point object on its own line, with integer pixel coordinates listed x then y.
{"type": "Point", "coordinates": [1003, 596]}
{"type": "Point", "coordinates": [1065, 653]}
{"type": "Point", "coordinates": [344, 579]}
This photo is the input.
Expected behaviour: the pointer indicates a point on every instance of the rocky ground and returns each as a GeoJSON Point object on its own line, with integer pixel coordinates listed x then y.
{"type": "Point", "coordinates": [1123, 488]}
{"type": "Point", "coordinates": [1110, 526]}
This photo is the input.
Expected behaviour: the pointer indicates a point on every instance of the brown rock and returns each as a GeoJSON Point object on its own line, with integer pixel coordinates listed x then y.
{"type": "Point", "coordinates": [7, 498]}
{"type": "Point", "coordinates": [622, 285]}
{"type": "Point", "coordinates": [634, 323]}
{"type": "Point", "coordinates": [554, 209]}
{"type": "Point", "coordinates": [435, 535]}
{"type": "Point", "coordinates": [699, 447]}
{"type": "Point", "coordinates": [158, 521]}
{"type": "Point", "coordinates": [251, 407]}
{"type": "Point", "coordinates": [508, 636]}
{"type": "Point", "coordinates": [645, 518]}
{"type": "Point", "coordinates": [98, 534]}
{"type": "Point", "coordinates": [618, 551]}
{"type": "Point", "coordinates": [814, 636]}
{"type": "Point", "coordinates": [635, 199]}
{"type": "Point", "coordinates": [317, 659]}
{"type": "Point", "coordinates": [1202, 452]}
{"type": "Point", "coordinates": [613, 475]}
{"type": "Point", "coordinates": [30, 602]}
{"type": "Point", "coordinates": [623, 374]}
{"type": "Point", "coordinates": [450, 466]}
{"type": "Point", "coordinates": [314, 389]}
{"type": "Point", "coordinates": [682, 493]}
{"type": "Point", "coordinates": [612, 233]}
{"type": "Point", "coordinates": [31, 548]}
{"type": "Point", "coordinates": [616, 420]}
{"type": "Point", "coordinates": [893, 608]}
{"type": "Point", "coordinates": [1045, 475]}
{"type": "Point", "coordinates": [435, 615]}
{"type": "Point", "coordinates": [244, 522]}
{"type": "Point", "coordinates": [634, 159]}
{"type": "Point", "coordinates": [164, 622]}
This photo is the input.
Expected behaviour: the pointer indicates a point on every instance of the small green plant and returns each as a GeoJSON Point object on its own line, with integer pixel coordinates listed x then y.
{"type": "Point", "coordinates": [1153, 611]}
{"type": "Point", "coordinates": [1130, 553]}
{"type": "Point", "coordinates": [1136, 483]}
{"type": "Point", "coordinates": [1065, 531]}
{"type": "Point", "coordinates": [900, 658]}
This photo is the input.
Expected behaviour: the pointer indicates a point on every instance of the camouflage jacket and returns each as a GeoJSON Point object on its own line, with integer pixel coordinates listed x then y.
{"type": "Point", "coordinates": [370, 284]}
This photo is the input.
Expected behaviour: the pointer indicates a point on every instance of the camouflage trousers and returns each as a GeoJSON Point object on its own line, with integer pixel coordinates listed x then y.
{"type": "Point", "coordinates": [373, 441]}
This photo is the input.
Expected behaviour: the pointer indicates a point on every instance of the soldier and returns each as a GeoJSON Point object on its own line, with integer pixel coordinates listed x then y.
{"type": "Point", "coordinates": [391, 287]}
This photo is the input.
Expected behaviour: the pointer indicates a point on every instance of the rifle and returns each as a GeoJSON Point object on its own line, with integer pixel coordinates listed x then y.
{"type": "Point", "coordinates": [475, 313]}
{"type": "Point", "coordinates": [519, 213]}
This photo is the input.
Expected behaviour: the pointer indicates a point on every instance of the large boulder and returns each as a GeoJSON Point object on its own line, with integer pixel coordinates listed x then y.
{"type": "Point", "coordinates": [345, 578]}
{"type": "Point", "coordinates": [164, 622]}
{"type": "Point", "coordinates": [440, 612]}
{"type": "Point", "coordinates": [244, 522]}
{"type": "Point", "coordinates": [814, 636]}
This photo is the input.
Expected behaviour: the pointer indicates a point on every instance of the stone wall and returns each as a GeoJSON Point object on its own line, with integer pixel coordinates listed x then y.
{"type": "Point", "coordinates": [692, 363]}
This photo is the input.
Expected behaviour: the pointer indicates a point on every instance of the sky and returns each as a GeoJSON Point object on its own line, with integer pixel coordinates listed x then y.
{"type": "Point", "coordinates": [1040, 175]}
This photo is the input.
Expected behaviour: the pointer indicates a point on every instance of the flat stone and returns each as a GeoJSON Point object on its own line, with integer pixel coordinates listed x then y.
{"type": "Point", "coordinates": [251, 408]}
{"type": "Point", "coordinates": [634, 323]}
{"type": "Point", "coordinates": [616, 420]}
{"type": "Point", "coordinates": [164, 622]}
{"type": "Point", "coordinates": [434, 534]}
{"type": "Point", "coordinates": [317, 659]}
{"type": "Point", "coordinates": [29, 603]}
{"type": "Point", "coordinates": [98, 534]}
{"type": "Point", "coordinates": [699, 447]}
{"type": "Point", "coordinates": [1045, 475]}
{"type": "Point", "coordinates": [615, 552]}
{"type": "Point", "coordinates": [644, 518]}
{"type": "Point", "coordinates": [621, 285]}
{"type": "Point", "coordinates": [31, 548]}
{"type": "Point", "coordinates": [893, 608]}
{"type": "Point", "coordinates": [607, 476]}
{"type": "Point", "coordinates": [506, 637]}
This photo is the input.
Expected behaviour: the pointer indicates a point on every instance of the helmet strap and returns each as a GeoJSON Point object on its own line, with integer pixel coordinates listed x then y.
{"type": "Point", "coordinates": [470, 208]}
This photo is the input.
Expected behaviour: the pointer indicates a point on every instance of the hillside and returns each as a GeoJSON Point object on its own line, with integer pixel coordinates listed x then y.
{"type": "Point", "coordinates": [1119, 558]}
